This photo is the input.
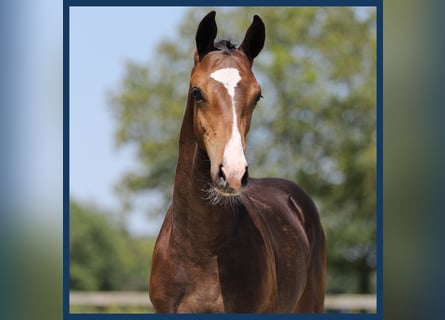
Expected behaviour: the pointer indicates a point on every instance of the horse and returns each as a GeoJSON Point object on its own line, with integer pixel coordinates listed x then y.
{"type": "Point", "coordinates": [230, 243]}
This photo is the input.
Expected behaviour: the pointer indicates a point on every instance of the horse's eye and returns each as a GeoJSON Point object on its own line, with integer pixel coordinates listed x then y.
{"type": "Point", "coordinates": [258, 97]}
{"type": "Point", "coordinates": [197, 94]}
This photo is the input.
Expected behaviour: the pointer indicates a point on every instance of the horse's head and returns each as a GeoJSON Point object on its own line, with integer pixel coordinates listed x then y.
{"type": "Point", "coordinates": [224, 92]}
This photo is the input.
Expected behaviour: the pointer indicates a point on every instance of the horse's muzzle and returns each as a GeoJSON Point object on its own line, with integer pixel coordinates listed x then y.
{"type": "Point", "coordinates": [231, 182]}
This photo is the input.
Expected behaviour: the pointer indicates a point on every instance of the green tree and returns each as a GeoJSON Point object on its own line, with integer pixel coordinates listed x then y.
{"type": "Point", "coordinates": [102, 254]}
{"type": "Point", "coordinates": [96, 249]}
{"type": "Point", "coordinates": [316, 124]}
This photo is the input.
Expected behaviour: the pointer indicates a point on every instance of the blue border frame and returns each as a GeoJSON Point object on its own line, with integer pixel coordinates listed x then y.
{"type": "Point", "coordinates": [66, 161]}
{"type": "Point", "coordinates": [226, 3]}
{"type": "Point", "coordinates": [378, 4]}
{"type": "Point", "coordinates": [379, 291]}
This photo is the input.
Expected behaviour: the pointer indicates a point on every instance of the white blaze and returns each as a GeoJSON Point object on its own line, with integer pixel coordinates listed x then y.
{"type": "Point", "coordinates": [233, 158]}
{"type": "Point", "coordinates": [229, 77]}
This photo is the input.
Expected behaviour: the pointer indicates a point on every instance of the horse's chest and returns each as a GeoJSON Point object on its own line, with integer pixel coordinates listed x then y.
{"type": "Point", "coordinates": [231, 283]}
{"type": "Point", "coordinates": [202, 293]}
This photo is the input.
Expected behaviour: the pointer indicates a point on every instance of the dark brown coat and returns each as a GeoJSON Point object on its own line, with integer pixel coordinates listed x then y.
{"type": "Point", "coordinates": [262, 250]}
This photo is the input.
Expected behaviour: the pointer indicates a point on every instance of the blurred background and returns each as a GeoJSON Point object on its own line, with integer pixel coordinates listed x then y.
{"type": "Point", "coordinates": [31, 141]}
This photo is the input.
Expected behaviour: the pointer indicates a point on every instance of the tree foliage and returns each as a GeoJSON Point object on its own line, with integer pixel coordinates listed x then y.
{"type": "Point", "coordinates": [102, 255]}
{"type": "Point", "coordinates": [316, 124]}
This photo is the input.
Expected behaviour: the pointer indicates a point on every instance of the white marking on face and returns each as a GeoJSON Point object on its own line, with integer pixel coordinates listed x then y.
{"type": "Point", "coordinates": [233, 157]}
{"type": "Point", "coordinates": [229, 77]}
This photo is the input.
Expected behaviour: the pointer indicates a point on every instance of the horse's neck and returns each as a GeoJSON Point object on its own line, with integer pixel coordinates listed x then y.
{"type": "Point", "coordinates": [195, 218]}
{"type": "Point", "coordinates": [193, 168]}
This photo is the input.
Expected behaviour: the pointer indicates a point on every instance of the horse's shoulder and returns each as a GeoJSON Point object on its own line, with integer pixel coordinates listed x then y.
{"type": "Point", "coordinates": [275, 188]}
{"type": "Point", "coordinates": [280, 195]}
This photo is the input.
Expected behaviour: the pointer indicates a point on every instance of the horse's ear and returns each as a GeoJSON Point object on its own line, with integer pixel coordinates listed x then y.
{"type": "Point", "coordinates": [206, 35]}
{"type": "Point", "coordinates": [254, 40]}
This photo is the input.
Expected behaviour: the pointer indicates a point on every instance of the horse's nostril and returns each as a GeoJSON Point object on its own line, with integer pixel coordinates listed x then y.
{"type": "Point", "coordinates": [221, 172]}
{"type": "Point", "coordinates": [245, 177]}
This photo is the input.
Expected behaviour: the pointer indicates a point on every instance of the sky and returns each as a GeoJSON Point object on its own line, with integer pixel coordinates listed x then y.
{"type": "Point", "coordinates": [101, 40]}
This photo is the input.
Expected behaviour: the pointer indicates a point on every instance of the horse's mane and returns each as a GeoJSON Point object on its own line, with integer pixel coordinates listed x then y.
{"type": "Point", "coordinates": [226, 46]}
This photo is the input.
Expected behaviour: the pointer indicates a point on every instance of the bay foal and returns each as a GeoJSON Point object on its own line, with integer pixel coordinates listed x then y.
{"type": "Point", "coordinates": [230, 243]}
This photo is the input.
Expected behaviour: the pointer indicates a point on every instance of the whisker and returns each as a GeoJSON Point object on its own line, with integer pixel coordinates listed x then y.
{"type": "Point", "coordinates": [215, 198]}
